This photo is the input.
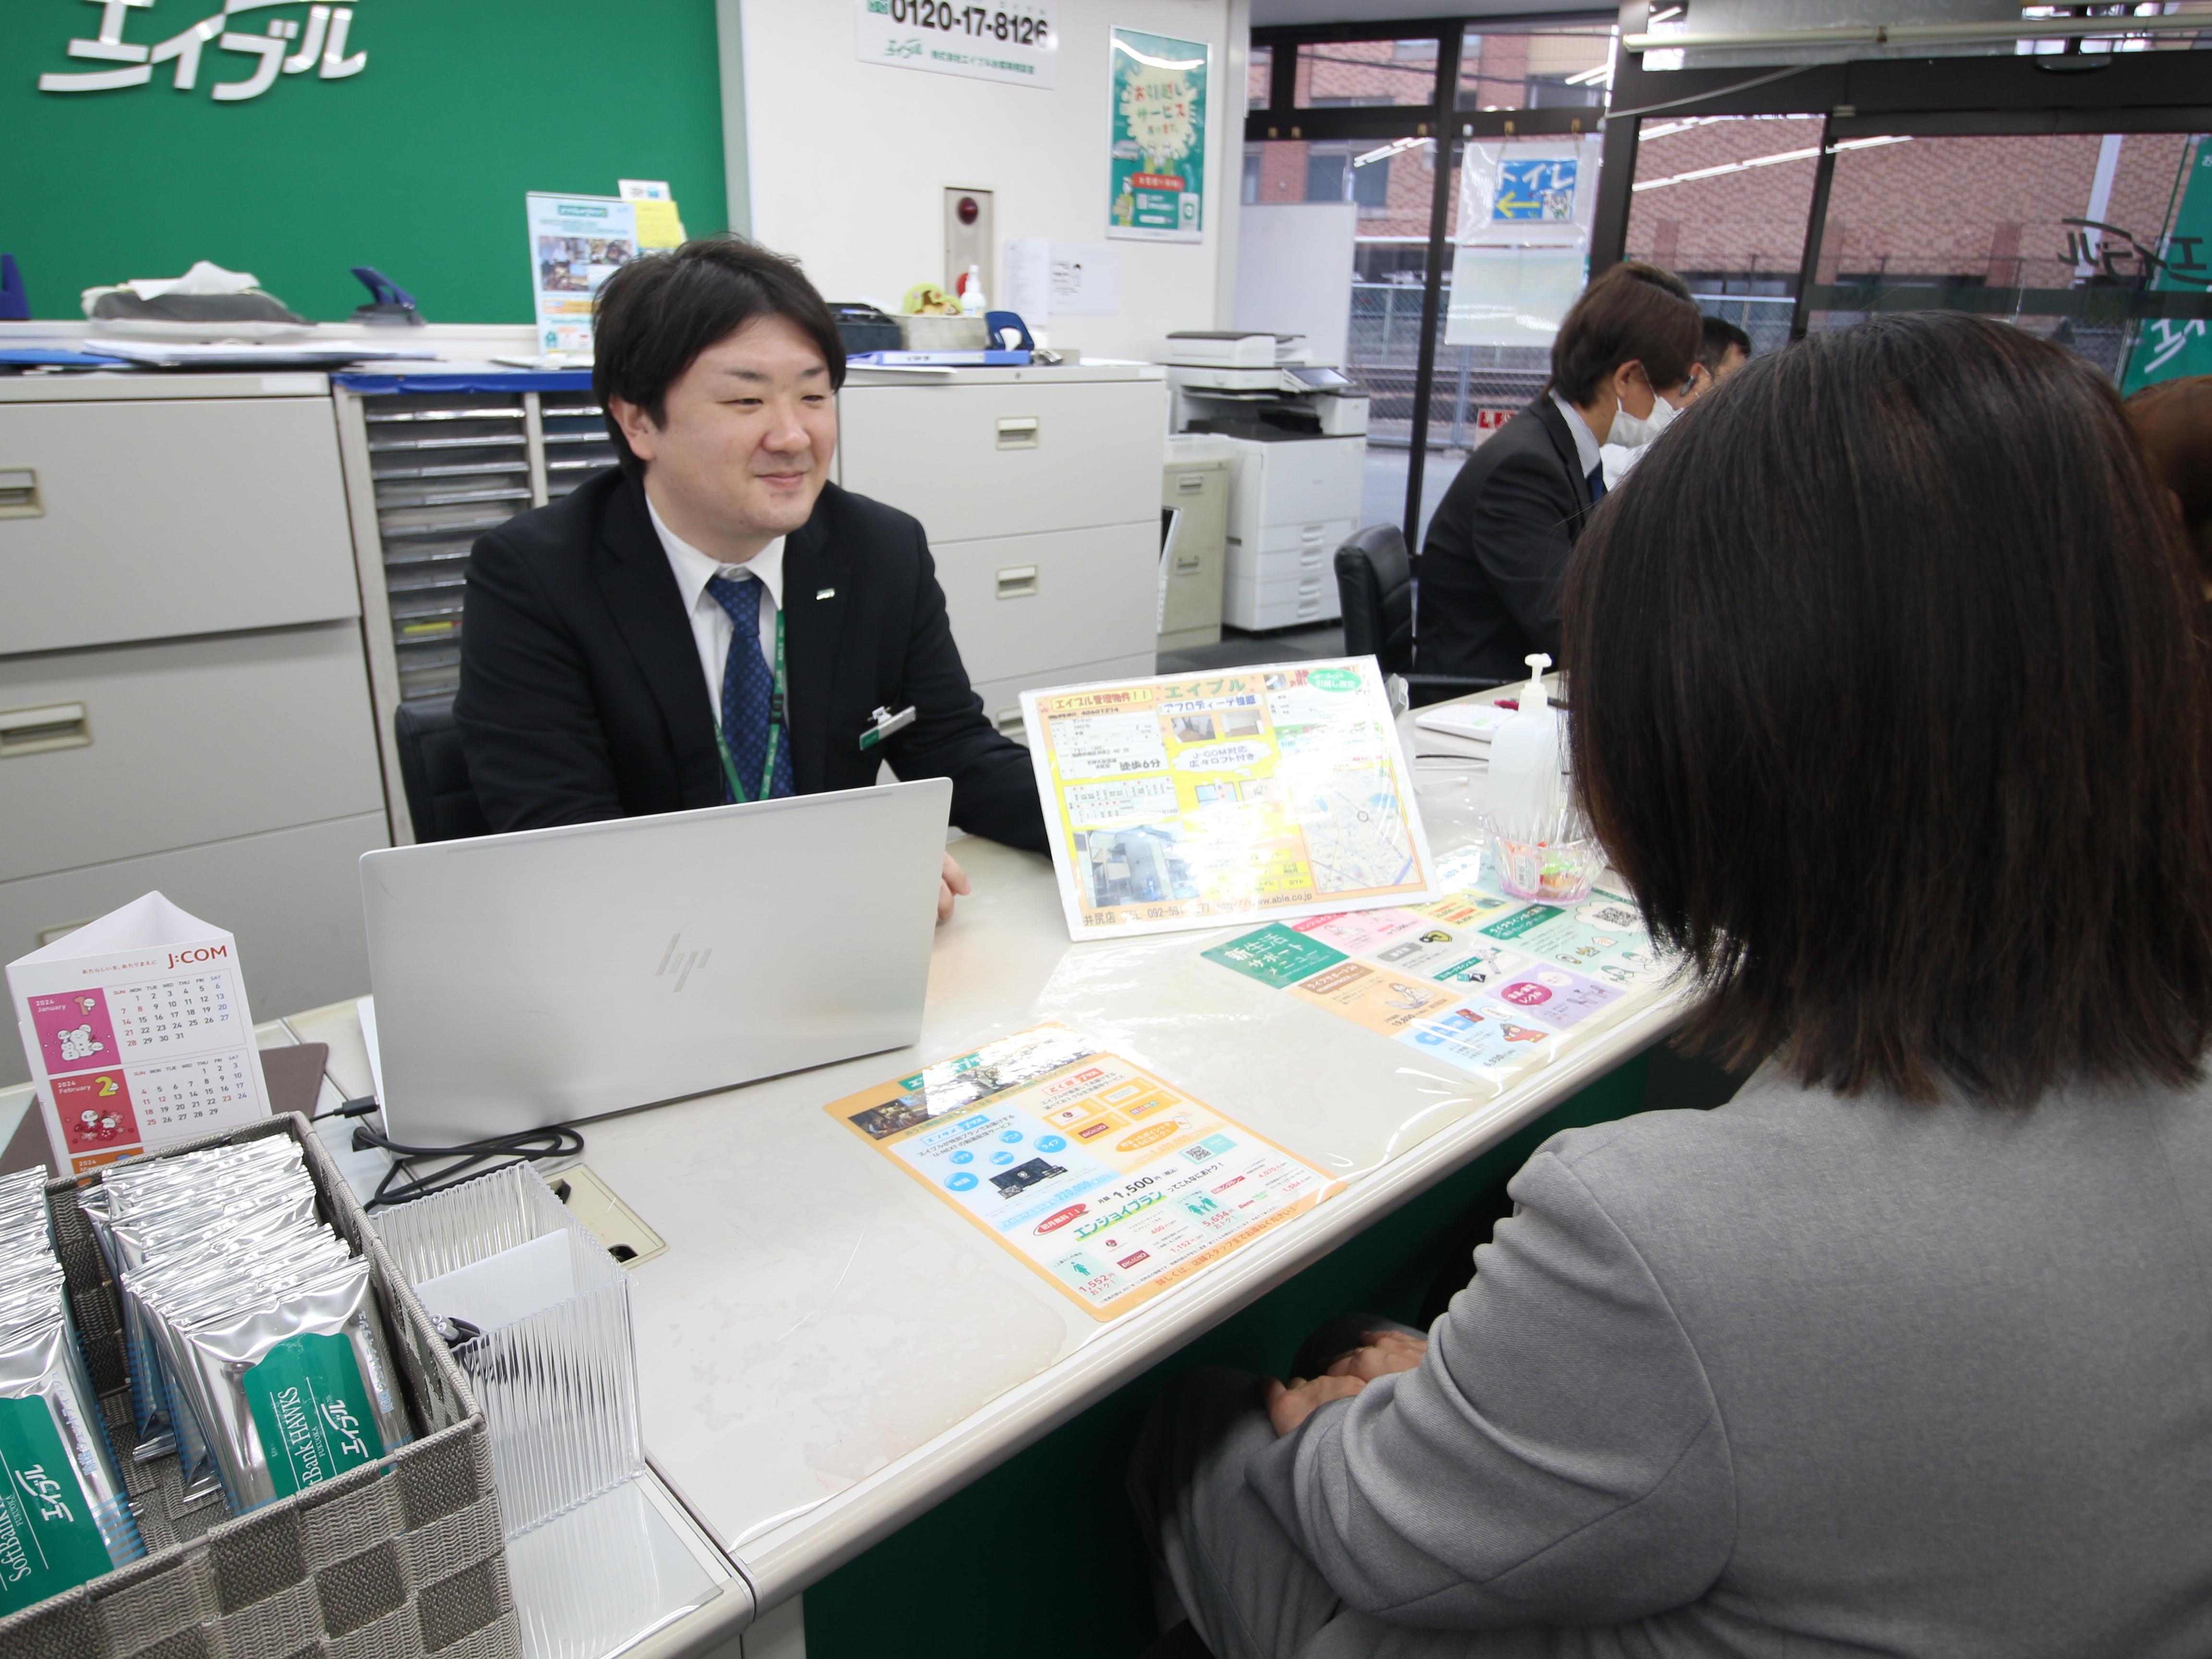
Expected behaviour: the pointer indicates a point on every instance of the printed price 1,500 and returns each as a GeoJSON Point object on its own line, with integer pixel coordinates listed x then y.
{"type": "Point", "coordinates": [974, 22]}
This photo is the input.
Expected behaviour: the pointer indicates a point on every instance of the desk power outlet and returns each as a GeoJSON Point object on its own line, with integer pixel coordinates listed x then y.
{"type": "Point", "coordinates": [613, 1223]}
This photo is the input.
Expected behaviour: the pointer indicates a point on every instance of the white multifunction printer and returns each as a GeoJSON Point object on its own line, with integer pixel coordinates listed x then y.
{"type": "Point", "coordinates": [1299, 434]}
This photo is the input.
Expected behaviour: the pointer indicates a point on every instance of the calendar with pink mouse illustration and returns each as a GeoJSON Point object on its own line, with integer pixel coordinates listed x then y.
{"type": "Point", "coordinates": [136, 1029]}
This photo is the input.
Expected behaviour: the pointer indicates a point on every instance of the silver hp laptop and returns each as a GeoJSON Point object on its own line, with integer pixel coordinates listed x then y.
{"type": "Point", "coordinates": [552, 975]}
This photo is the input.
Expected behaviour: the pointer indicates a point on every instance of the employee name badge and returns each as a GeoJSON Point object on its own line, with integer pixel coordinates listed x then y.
{"type": "Point", "coordinates": [137, 1033]}
{"type": "Point", "coordinates": [883, 722]}
{"type": "Point", "coordinates": [1107, 1181]}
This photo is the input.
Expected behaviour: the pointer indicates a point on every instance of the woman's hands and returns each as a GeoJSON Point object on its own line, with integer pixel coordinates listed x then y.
{"type": "Point", "coordinates": [1380, 1353]}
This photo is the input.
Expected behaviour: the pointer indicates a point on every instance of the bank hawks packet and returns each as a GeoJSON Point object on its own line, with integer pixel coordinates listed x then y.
{"type": "Point", "coordinates": [291, 1383]}
{"type": "Point", "coordinates": [251, 1327]}
{"type": "Point", "coordinates": [170, 1206]}
{"type": "Point", "coordinates": [63, 1518]}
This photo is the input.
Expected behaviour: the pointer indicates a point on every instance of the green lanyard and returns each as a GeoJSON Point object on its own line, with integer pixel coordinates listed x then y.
{"type": "Point", "coordinates": [775, 732]}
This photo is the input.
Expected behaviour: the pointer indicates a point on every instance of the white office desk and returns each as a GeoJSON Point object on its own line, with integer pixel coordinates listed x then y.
{"type": "Point", "coordinates": [826, 1351]}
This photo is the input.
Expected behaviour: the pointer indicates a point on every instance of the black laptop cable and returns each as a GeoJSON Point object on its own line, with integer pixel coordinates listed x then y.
{"type": "Point", "coordinates": [419, 1172]}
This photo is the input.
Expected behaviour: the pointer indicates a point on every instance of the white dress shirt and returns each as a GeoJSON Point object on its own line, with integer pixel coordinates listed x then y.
{"type": "Point", "coordinates": [1587, 454]}
{"type": "Point", "coordinates": [710, 623]}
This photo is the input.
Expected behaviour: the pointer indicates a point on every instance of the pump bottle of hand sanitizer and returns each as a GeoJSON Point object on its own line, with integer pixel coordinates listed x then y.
{"type": "Point", "coordinates": [1524, 761]}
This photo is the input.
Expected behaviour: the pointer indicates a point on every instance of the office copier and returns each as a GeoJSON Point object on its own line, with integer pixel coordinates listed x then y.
{"type": "Point", "coordinates": [1298, 432]}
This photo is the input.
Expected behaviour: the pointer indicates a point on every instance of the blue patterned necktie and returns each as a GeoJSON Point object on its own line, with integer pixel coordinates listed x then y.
{"type": "Point", "coordinates": [1596, 482]}
{"type": "Point", "coordinates": [748, 689]}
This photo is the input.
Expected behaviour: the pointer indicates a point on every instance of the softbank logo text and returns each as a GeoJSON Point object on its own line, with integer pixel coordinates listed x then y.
{"type": "Point", "coordinates": [681, 963]}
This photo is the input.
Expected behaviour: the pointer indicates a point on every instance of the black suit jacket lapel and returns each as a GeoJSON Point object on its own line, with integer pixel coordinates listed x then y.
{"type": "Point", "coordinates": [1563, 444]}
{"type": "Point", "coordinates": [642, 596]}
{"type": "Point", "coordinates": [815, 583]}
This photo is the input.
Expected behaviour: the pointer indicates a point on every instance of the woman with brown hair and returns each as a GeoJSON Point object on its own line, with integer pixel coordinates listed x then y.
{"type": "Point", "coordinates": [1889, 705]}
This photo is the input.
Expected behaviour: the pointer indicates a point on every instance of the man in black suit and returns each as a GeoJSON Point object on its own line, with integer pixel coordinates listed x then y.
{"type": "Point", "coordinates": [1622, 363]}
{"type": "Point", "coordinates": [714, 621]}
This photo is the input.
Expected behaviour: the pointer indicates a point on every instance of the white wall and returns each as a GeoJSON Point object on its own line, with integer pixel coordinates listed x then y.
{"type": "Point", "coordinates": [848, 160]}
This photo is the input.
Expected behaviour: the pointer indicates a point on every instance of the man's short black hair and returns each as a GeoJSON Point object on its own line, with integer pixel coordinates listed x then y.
{"type": "Point", "coordinates": [659, 313]}
{"type": "Point", "coordinates": [1631, 313]}
{"type": "Point", "coordinates": [1720, 336]}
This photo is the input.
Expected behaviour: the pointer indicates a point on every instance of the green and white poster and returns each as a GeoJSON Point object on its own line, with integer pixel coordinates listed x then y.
{"type": "Point", "coordinates": [2169, 348]}
{"type": "Point", "coordinates": [1157, 180]}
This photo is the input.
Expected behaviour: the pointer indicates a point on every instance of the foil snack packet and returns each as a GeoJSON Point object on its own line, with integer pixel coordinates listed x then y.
{"type": "Point", "coordinates": [64, 1517]}
{"type": "Point", "coordinates": [289, 1379]}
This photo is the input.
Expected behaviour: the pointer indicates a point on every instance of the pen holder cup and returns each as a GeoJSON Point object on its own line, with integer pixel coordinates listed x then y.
{"type": "Point", "coordinates": [558, 1385]}
{"type": "Point", "coordinates": [1553, 861]}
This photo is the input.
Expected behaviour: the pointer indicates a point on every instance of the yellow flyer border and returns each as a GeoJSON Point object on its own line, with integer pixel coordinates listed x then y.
{"type": "Point", "coordinates": [861, 1099]}
{"type": "Point", "coordinates": [1059, 830]}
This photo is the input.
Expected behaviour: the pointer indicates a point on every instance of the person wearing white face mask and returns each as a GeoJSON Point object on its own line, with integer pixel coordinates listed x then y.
{"type": "Point", "coordinates": [1623, 361]}
{"type": "Point", "coordinates": [1726, 349]}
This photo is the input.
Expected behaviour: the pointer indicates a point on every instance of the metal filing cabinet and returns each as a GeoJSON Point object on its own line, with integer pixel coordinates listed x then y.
{"type": "Point", "coordinates": [183, 702]}
{"type": "Point", "coordinates": [1039, 489]}
{"type": "Point", "coordinates": [432, 462]}
{"type": "Point", "coordinates": [1195, 484]}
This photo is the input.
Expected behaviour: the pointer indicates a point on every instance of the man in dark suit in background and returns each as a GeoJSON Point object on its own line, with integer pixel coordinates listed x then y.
{"type": "Point", "coordinates": [714, 621]}
{"type": "Point", "coordinates": [1622, 363]}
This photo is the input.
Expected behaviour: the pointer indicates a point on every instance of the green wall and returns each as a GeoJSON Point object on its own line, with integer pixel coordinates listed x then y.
{"type": "Point", "coordinates": [417, 165]}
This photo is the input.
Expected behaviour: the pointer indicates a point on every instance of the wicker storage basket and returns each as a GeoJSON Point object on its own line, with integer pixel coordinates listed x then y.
{"type": "Point", "coordinates": [398, 1558]}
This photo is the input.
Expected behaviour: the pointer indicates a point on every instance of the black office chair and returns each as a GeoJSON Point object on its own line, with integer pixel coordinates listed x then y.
{"type": "Point", "coordinates": [1375, 585]}
{"type": "Point", "coordinates": [434, 773]}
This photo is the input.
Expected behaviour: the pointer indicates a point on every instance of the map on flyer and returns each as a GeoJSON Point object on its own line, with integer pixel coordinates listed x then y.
{"type": "Point", "coordinates": [1196, 800]}
{"type": "Point", "coordinates": [1487, 983]}
{"type": "Point", "coordinates": [1105, 1180]}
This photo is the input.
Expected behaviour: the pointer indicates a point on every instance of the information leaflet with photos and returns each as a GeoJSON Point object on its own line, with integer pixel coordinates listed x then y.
{"type": "Point", "coordinates": [1487, 983]}
{"type": "Point", "coordinates": [1107, 1180]}
{"type": "Point", "coordinates": [576, 242]}
{"type": "Point", "coordinates": [1195, 800]}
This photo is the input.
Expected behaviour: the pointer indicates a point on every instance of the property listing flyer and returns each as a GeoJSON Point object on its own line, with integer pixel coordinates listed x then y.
{"type": "Point", "coordinates": [1487, 983]}
{"type": "Point", "coordinates": [1104, 1179]}
{"type": "Point", "coordinates": [1191, 801]}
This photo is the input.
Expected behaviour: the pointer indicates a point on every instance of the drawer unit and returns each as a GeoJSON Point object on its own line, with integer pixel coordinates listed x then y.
{"type": "Point", "coordinates": [1005, 458]}
{"type": "Point", "coordinates": [292, 897]}
{"type": "Point", "coordinates": [110, 753]}
{"type": "Point", "coordinates": [574, 433]}
{"type": "Point", "coordinates": [1281, 602]}
{"type": "Point", "coordinates": [1002, 699]}
{"type": "Point", "coordinates": [431, 471]}
{"type": "Point", "coordinates": [1190, 599]}
{"type": "Point", "coordinates": [1022, 604]}
{"type": "Point", "coordinates": [443, 468]}
{"type": "Point", "coordinates": [156, 518]}
{"type": "Point", "coordinates": [1288, 549]}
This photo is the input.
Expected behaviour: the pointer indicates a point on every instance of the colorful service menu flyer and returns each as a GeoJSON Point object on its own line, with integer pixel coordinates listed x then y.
{"type": "Point", "coordinates": [1483, 982]}
{"type": "Point", "coordinates": [1190, 801]}
{"type": "Point", "coordinates": [1107, 1180]}
{"type": "Point", "coordinates": [137, 1033]}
